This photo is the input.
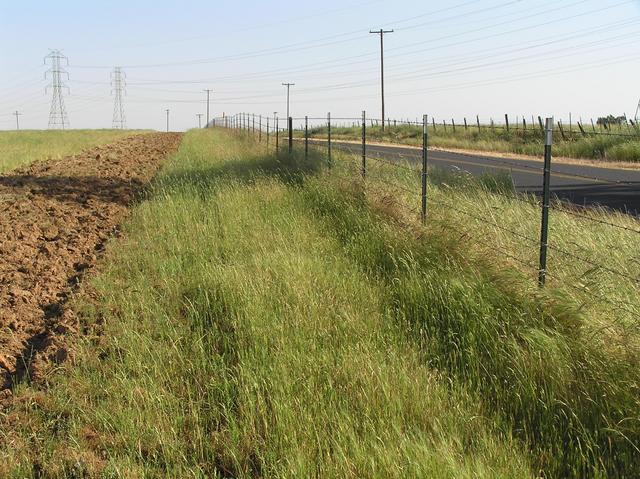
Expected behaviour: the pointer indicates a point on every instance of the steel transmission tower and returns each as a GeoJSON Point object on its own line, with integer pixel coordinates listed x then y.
{"type": "Point", "coordinates": [17, 114]}
{"type": "Point", "coordinates": [118, 84]}
{"type": "Point", "coordinates": [58, 113]}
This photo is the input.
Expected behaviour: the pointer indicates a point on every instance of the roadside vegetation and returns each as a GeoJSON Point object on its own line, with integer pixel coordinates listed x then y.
{"type": "Point", "coordinates": [616, 144]}
{"type": "Point", "coordinates": [18, 148]}
{"type": "Point", "coordinates": [267, 316]}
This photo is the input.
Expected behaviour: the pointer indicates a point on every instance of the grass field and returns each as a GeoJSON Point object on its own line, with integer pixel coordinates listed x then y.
{"type": "Point", "coordinates": [264, 316]}
{"type": "Point", "coordinates": [620, 145]}
{"type": "Point", "coordinates": [18, 148]}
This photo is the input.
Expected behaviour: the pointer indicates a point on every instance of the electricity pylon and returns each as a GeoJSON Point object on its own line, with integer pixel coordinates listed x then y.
{"type": "Point", "coordinates": [58, 113]}
{"type": "Point", "coordinates": [119, 85]}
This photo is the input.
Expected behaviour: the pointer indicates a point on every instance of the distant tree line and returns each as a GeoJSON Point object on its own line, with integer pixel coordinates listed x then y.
{"type": "Point", "coordinates": [612, 120]}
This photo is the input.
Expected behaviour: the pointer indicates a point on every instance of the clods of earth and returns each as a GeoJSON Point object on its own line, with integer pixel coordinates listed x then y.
{"type": "Point", "coordinates": [55, 217]}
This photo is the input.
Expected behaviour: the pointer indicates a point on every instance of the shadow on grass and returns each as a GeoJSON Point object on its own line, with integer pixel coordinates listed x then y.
{"type": "Point", "coordinates": [290, 169]}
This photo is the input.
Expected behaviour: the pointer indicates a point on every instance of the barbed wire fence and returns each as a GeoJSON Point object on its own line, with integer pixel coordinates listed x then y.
{"type": "Point", "coordinates": [303, 134]}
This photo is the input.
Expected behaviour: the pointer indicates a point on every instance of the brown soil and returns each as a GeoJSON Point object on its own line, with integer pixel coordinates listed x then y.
{"type": "Point", "coordinates": [55, 219]}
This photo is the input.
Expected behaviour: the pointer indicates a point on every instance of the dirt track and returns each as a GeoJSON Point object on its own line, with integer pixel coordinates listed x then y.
{"type": "Point", "coordinates": [55, 217]}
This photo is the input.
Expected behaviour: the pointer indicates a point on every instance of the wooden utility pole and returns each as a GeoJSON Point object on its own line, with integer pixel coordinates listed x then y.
{"type": "Point", "coordinates": [208, 117]}
{"type": "Point", "coordinates": [288, 85]}
{"type": "Point", "coordinates": [381, 32]}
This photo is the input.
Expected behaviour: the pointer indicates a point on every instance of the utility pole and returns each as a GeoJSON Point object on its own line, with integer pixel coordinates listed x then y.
{"type": "Point", "coordinates": [381, 32]}
{"type": "Point", "coordinates": [17, 114]}
{"type": "Point", "coordinates": [208, 91]}
{"type": "Point", "coordinates": [57, 113]}
{"type": "Point", "coordinates": [118, 85]}
{"type": "Point", "coordinates": [199, 115]}
{"type": "Point", "coordinates": [288, 85]}
{"type": "Point", "coordinates": [167, 110]}
{"type": "Point", "coordinates": [637, 111]}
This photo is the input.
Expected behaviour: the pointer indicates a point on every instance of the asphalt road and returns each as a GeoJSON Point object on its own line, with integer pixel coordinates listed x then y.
{"type": "Point", "coordinates": [580, 184]}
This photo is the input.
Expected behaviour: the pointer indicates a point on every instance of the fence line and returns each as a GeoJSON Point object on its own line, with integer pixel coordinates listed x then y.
{"type": "Point", "coordinates": [241, 124]}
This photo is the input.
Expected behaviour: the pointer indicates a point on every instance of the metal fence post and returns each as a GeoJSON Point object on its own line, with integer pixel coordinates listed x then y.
{"type": "Point", "coordinates": [329, 137]}
{"type": "Point", "coordinates": [306, 137]}
{"type": "Point", "coordinates": [561, 130]}
{"type": "Point", "coordinates": [277, 134]}
{"type": "Point", "coordinates": [544, 229]}
{"type": "Point", "coordinates": [260, 128]}
{"type": "Point", "coordinates": [364, 145]}
{"type": "Point", "coordinates": [290, 125]}
{"type": "Point", "coordinates": [267, 131]}
{"type": "Point", "coordinates": [253, 118]}
{"type": "Point", "coordinates": [423, 215]}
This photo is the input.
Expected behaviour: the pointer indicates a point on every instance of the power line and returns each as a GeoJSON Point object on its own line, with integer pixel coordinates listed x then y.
{"type": "Point", "coordinates": [399, 54]}
{"type": "Point", "coordinates": [430, 42]}
{"type": "Point", "coordinates": [298, 46]}
{"type": "Point", "coordinates": [449, 60]}
{"type": "Point", "coordinates": [118, 83]}
{"type": "Point", "coordinates": [58, 113]}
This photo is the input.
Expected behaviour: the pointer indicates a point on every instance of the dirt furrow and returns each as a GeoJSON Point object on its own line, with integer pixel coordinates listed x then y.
{"type": "Point", "coordinates": [55, 217]}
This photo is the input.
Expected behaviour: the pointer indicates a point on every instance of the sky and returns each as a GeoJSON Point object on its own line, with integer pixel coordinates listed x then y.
{"type": "Point", "coordinates": [450, 60]}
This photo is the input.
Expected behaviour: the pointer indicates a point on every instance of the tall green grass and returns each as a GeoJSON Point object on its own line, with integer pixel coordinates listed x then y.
{"type": "Point", "coordinates": [18, 148]}
{"type": "Point", "coordinates": [266, 316]}
{"type": "Point", "coordinates": [621, 145]}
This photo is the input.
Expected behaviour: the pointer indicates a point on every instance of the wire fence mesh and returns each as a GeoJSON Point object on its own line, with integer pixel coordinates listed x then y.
{"type": "Point", "coordinates": [506, 222]}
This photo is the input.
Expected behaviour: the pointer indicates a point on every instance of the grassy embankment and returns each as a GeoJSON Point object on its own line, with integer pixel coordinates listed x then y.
{"type": "Point", "coordinates": [18, 148]}
{"type": "Point", "coordinates": [613, 147]}
{"type": "Point", "coordinates": [265, 317]}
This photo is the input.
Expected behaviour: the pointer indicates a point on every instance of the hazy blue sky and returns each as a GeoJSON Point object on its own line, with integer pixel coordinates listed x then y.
{"type": "Point", "coordinates": [447, 59]}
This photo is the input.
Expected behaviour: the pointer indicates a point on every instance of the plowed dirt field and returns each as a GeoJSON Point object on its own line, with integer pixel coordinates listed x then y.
{"type": "Point", "coordinates": [55, 218]}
